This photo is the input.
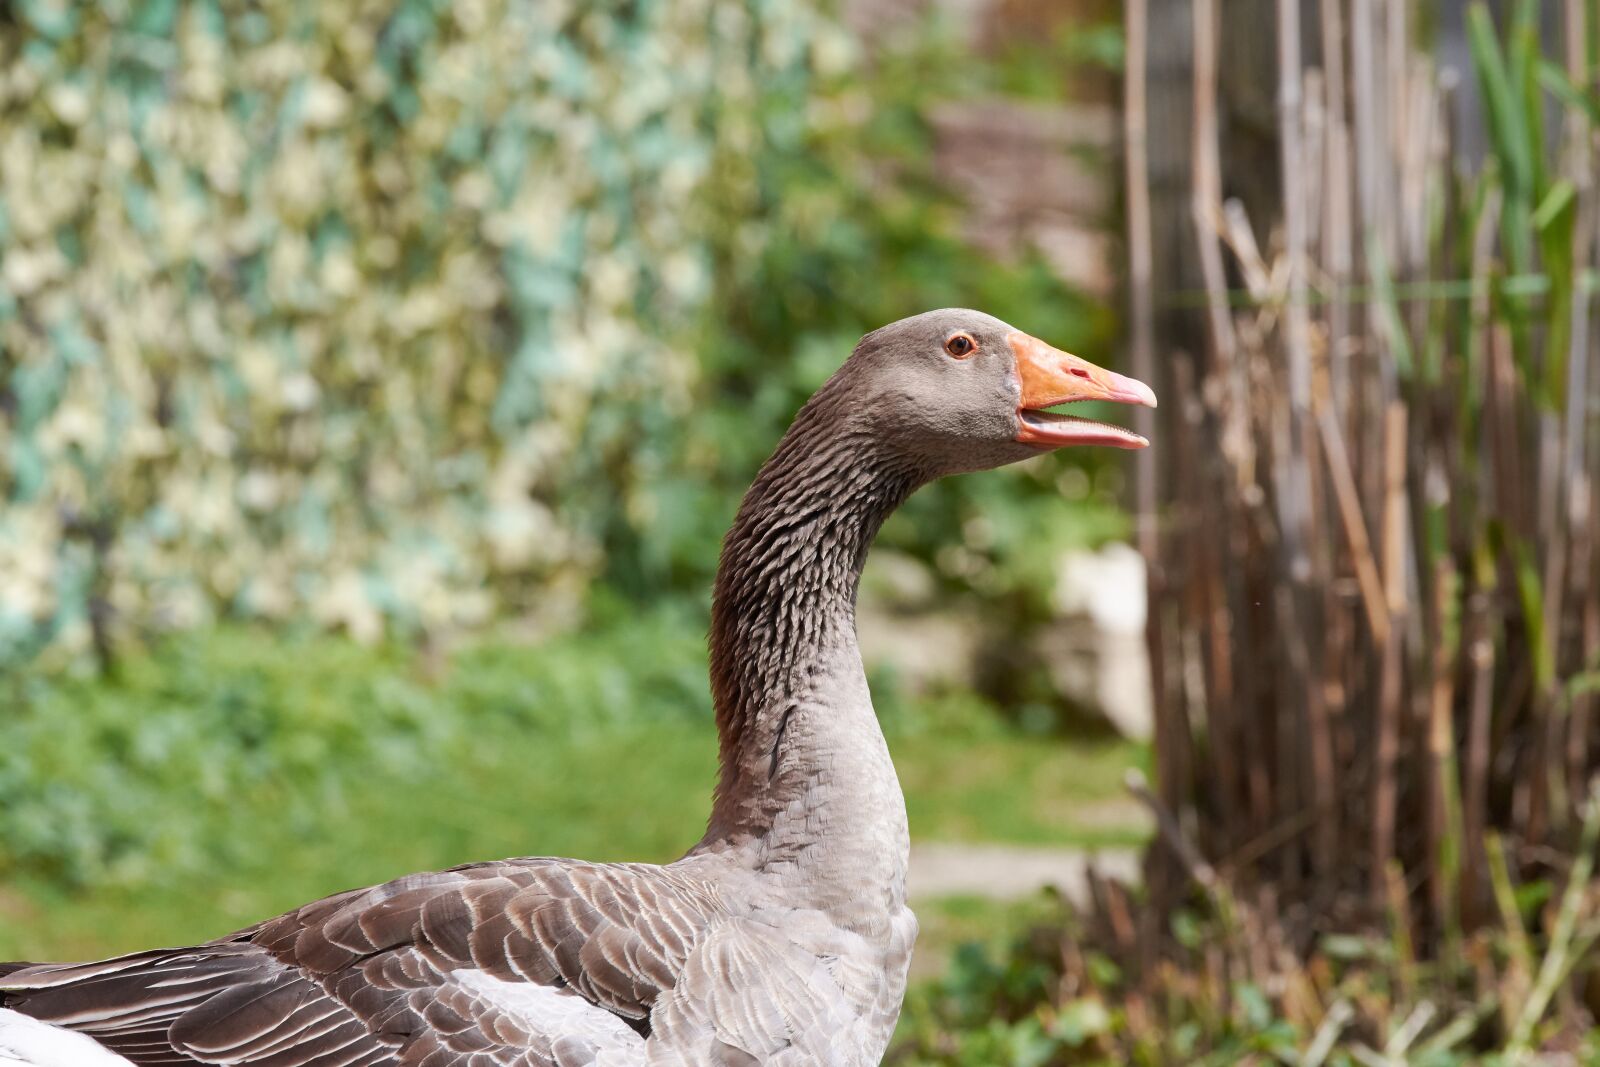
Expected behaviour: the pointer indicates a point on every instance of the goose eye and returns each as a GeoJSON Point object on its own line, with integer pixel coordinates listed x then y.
{"type": "Point", "coordinates": [961, 346]}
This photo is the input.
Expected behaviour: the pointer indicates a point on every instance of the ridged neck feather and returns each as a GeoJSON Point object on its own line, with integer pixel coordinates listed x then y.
{"type": "Point", "coordinates": [783, 610]}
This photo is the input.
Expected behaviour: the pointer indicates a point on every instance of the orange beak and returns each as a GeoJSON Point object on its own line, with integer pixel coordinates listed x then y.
{"type": "Point", "coordinates": [1050, 377]}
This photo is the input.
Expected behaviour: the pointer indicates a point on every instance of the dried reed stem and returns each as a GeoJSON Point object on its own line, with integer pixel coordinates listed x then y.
{"type": "Point", "coordinates": [1337, 222]}
{"type": "Point", "coordinates": [1141, 312]}
{"type": "Point", "coordinates": [1375, 591]}
{"type": "Point", "coordinates": [1206, 211]}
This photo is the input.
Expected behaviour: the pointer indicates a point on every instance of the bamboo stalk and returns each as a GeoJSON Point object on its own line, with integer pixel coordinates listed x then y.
{"type": "Point", "coordinates": [1355, 527]}
{"type": "Point", "coordinates": [1220, 701]}
{"type": "Point", "coordinates": [1581, 145]}
{"type": "Point", "coordinates": [1381, 473]}
{"type": "Point", "coordinates": [1297, 334]}
{"type": "Point", "coordinates": [1385, 784]}
{"type": "Point", "coordinates": [1369, 149]}
{"type": "Point", "coordinates": [1394, 511]}
{"type": "Point", "coordinates": [1477, 627]}
{"type": "Point", "coordinates": [1140, 258]}
{"type": "Point", "coordinates": [1479, 646]}
{"type": "Point", "coordinates": [1444, 812]}
{"type": "Point", "coordinates": [1397, 118]}
{"type": "Point", "coordinates": [1319, 723]}
{"type": "Point", "coordinates": [1415, 153]}
{"type": "Point", "coordinates": [1206, 212]}
{"type": "Point", "coordinates": [1178, 765]}
{"type": "Point", "coordinates": [1578, 744]}
{"type": "Point", "coordinates": [1337, 222]}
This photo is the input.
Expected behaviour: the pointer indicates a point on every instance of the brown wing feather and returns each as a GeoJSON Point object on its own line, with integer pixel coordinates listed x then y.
{"type": "Point", "coordinates": [371, 978]}
{"type": "Point", "coordinates": [221, 1003]}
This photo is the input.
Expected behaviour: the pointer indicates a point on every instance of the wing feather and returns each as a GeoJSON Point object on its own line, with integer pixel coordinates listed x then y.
{"type": "Point", "coordinates": [524, 963]}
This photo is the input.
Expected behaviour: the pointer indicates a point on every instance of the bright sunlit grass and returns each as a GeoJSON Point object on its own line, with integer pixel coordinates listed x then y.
{"type": "Point", "coordinates": [612, 764]}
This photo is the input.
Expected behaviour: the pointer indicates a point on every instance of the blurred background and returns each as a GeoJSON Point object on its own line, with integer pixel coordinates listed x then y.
{"type": "Point", "coordinates": [377, 380]}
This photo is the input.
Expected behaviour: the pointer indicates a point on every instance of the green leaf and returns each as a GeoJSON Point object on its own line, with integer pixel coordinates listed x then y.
{"type": "Point", "coordinates": [1561, 196]}
{"type": "Point", "coordinates": [1553, 78]}
{"type": "Point", "coordinates": [1393, 322]}
{"type": "Point", "coordinates": [1530, 589]}
{"type": "Point", "coordinates": [1081, 1019]}
{"type": "Point", "coordinates": [1506, 126]}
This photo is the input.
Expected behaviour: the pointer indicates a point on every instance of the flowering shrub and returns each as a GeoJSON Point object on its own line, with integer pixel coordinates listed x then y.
{"type": "Point", "coordinates": [310, 309]}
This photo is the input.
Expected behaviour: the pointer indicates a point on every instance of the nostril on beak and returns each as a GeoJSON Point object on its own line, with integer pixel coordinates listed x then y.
{"type": "Point", "coordinates": [1080, 372]}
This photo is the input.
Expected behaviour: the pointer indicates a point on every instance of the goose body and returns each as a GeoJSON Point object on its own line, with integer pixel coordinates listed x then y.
{"type": "Point", "coordinates": [781, 939]}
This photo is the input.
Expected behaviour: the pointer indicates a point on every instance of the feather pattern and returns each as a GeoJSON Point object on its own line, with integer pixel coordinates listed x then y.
{"type": "Point", "coordinates": [421, 970]}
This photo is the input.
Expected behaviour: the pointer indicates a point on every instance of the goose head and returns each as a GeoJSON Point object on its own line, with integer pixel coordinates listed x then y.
{"type": "Point", "coordinates": [963, 391]}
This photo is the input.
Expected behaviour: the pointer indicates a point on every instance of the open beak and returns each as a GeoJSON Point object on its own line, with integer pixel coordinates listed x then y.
{"type": "Point", "coordinates": [1050, 377]}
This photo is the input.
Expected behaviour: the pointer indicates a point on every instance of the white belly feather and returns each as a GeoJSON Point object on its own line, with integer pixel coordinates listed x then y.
{"type": "Point", "coordinates": [26, 1042]}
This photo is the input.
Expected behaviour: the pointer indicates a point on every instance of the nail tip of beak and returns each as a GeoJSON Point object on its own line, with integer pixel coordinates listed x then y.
{"type": "Point", "coordinates": [1134, 391]}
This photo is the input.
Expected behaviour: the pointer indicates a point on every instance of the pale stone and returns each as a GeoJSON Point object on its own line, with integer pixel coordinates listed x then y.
{"type": "Point", "coordinates": [1096, 651]}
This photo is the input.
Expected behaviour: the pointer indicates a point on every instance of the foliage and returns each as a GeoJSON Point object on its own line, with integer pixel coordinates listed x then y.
{"type": "Point", "coordinates": [856, 230]}
{"type": "Point", "coordinates": [405, 313]}
{"type": "Point", "coordinates": [1226, 990]}
{"type": "Point", "coordinates": [110, 780]}
{"type": "Point", "coordinates": [298, 762]}
{"type": "Point", "coordinates": [307, 311]}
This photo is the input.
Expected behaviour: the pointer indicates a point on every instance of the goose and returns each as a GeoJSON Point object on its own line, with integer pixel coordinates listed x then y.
{"type": "Point", "coordinates": [782, 938]}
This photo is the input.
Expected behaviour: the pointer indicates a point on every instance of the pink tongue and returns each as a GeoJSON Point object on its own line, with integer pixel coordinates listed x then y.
{"type": "Point", "coordinates": [1070, 430]}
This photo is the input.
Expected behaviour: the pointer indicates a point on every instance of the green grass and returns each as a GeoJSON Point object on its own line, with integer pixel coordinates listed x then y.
{"type": "Point", "coordinates": [963, 923]}
{"type": "Point", "coordinates": [360, 765]}
{"type": "Point", "coordinates": [1018, 789]}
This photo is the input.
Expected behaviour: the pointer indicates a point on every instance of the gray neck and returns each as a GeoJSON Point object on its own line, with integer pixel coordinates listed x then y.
{"type": "Point", "coordinates": [806, 790]}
